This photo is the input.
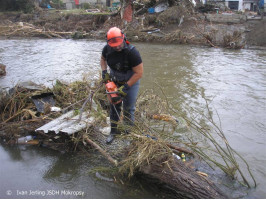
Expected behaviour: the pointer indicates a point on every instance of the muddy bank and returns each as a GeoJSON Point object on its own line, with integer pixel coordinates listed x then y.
{"type": "Point", "coordinates": [43, 23]}
{"type": "Point", "coordinates": [171, 26]}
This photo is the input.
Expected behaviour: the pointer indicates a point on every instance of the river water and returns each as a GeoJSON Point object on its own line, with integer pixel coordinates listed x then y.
{"type": "Point", "coordinates": [234, 81]}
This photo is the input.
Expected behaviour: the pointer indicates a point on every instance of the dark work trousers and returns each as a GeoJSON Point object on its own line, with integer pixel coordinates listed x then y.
{"type": "Point", "coordinates": [129, 107]}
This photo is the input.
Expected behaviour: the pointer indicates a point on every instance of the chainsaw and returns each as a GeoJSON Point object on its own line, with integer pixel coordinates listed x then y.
{"type": "Point", "coordinates": [112, 93]}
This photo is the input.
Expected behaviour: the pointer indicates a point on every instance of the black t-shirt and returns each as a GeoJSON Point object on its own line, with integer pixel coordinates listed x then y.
{"type": "Point", "coordinates": [116, 59]}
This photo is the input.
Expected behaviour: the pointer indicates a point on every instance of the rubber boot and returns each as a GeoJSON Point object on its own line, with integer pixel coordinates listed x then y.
{"type": "Point", "coordinates": [113, 133]}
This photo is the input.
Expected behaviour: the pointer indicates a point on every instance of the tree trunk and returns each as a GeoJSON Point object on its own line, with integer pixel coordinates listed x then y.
{"type": "Point", "coordinates": [182, 180]}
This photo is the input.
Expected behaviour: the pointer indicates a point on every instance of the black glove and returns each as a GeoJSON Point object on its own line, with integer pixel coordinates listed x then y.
{"type": "Point", "coordinates": [105, 76]}
{"type": "Point", "coordinates": [124, 89]}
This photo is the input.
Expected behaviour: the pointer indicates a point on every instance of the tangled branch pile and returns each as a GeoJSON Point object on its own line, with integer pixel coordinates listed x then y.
{"type": "Point", "coordinates": [10, 29]}
{"type": "Point", "coordinates": [233, 41]}
{"type": "Point", "coordinates": [153, 138]}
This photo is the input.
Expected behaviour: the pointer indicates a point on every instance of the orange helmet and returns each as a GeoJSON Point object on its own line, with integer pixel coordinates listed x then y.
{"type": "Point", "coordinates": [115, 37]}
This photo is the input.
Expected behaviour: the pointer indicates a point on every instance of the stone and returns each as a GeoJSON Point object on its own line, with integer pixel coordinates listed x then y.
{"type": "Point", "coordinates": [2, 70]}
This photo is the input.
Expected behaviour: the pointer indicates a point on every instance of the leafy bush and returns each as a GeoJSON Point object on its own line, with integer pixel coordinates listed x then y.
{"type": "Point", "coordinates": [26, 6]}
{"type": "Point", "coordinates": [86, 6]}
{"type": "Point", "coordinates": [57, 4]}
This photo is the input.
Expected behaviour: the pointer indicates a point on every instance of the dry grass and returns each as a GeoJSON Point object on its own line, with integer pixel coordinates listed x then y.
{"type": "Point", "coordinates": [142, 152]}
{"type": "Point", "coordinates": [233, 41]}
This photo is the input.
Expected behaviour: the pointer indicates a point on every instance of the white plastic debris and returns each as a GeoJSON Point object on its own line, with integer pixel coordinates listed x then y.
{"type": "Point", "coordinates": [55, 109]}
{"type": "Point", "coordinates": [105, 130]}
{"type": "Point", "coordinates": [176, 156]}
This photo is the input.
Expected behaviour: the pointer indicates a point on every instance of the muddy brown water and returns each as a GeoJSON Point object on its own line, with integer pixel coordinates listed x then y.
{"type": "Point", "coordinates": [235, 81]}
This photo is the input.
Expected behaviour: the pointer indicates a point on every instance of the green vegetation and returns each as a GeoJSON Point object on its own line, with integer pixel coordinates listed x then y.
{"type": "Point", "coordinates": [27, 6]}
{"type": "Point", "coordinates": [86, 6]}
{"type": "Point", "coordinates": [58, 4]}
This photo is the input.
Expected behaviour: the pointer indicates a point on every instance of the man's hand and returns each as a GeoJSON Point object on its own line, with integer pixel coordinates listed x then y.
{"type": "Point", "coordinates": [105, 76]}
{"type": "Point", "coordinates": [123, 90]}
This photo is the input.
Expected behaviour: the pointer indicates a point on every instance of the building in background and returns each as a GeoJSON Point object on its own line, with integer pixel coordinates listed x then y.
{"type": "Point", "coordinates": [240, 5]}
{"type": "Point", "coordinates": [73, 4]}
{"type": "Point", "coordinates": [252, 5]}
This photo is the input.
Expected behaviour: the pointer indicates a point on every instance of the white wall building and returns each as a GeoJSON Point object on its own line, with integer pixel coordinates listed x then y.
{"type": "Point", "coordinates": [241, 5]}
{"type": "Point", "coordinates": [72, 4]}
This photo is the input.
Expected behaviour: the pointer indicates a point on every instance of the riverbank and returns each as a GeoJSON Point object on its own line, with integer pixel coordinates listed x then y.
{"type": "Point", "coordinates": [172, 26]}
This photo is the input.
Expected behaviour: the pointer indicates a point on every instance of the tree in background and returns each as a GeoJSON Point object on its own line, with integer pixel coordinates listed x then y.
{"type": "Point", "coordinates": [58, 4]}
{"type": "Point", "coordinates": [7, 5]}
{"type": "Point", "coordinates": [26, 6]}
{"type": "Point", "coordinates": [44, 3]}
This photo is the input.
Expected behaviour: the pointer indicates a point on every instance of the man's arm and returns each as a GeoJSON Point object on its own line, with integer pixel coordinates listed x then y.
{"type": "Point", "coordinates": [103, 63]}
{"type": "Point", "coordinates": [138, 71]}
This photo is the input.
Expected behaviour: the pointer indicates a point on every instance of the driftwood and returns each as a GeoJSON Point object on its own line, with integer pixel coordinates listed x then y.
{"type": "Point", "coordinates": [103, 152]}
{"type": "Point", "coordinates": [12, 130]}
{"type": "Point", "coordinates": [179, 149]}
{"type": "Point", "coordinates": [183, 181]}
{"type": "Point", "coordinates": [206, 35]}
{"type": "Point", "coordinates": [179, 178]}
{"type": "Point", "coordinates": [29, 30]}
{"type": "Point", "coordinates": [175, 175]}
{"type": "Point", "coordinates": [152, 159]}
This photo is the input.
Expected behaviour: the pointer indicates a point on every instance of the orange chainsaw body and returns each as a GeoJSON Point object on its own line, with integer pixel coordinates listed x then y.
{"type": "Point", "coordinates": [114, 97]}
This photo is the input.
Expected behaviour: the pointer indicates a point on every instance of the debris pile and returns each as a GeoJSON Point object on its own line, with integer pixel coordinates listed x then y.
{"type": "Point", "coordinates": [23, 29]}
{"type": "Point", "coordinates": [233, 41]}
{"type": "Point", "coordinates": [2, 70]}
{"type": "Point", "coordinates": [151, 147]}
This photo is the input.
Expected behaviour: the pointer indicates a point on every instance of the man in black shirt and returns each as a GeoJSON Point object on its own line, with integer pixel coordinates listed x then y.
{"type": "Point", "coordinates": [126, 69]}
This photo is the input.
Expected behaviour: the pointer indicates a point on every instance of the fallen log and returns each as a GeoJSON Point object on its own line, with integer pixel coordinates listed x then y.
{"type": "Point", "coordinates": [155, 159]}
{"type": "Point", "coordinates": [180, 149]}
{"type": "Point", "coordinates": [109, 158]}
{"type": "Point", "coordinates": [183, 181]}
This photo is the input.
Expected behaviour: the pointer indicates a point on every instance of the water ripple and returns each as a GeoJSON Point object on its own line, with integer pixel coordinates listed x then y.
{"type": "Point", "coordinates": [43, 60]}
